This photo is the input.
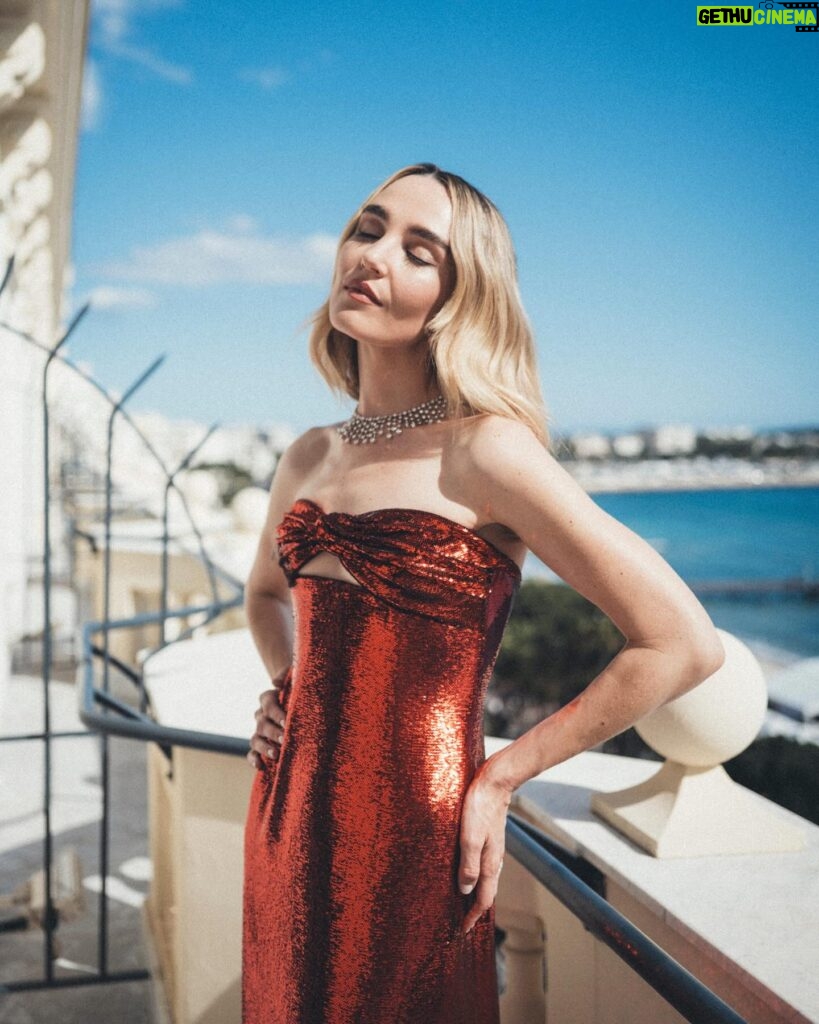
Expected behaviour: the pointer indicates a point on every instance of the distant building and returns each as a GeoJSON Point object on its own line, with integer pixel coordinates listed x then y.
{"type": "Point", "coordinates": [629, 446]}
{"type": "Point", "coordinates": [246, 446]}
{"type": "Point", "coordinates": [674, 439]}
{"type": "Point", "coordinates": [737, 433]}
{"type": "Point", "coordinates": [591, 446]}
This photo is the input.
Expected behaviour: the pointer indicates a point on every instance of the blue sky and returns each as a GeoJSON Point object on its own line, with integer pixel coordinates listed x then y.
{"type": "Point", "coordinates": [659, 180]}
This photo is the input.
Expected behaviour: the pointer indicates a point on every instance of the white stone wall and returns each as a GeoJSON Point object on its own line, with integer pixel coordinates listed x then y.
{"type": "Point", "coordinates": [42, 48]}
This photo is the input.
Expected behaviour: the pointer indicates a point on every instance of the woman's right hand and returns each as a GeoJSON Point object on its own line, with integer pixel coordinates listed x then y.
{"type": "Point", "coordinates": [270, 720]}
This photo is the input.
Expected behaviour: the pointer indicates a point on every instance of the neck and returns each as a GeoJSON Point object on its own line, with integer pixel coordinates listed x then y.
{"type": "Point", "coordinates": [392, 380]}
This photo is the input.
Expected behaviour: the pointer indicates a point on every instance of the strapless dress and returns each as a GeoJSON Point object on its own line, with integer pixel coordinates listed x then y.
{"type": "Point", "coordinates": [352, 913]}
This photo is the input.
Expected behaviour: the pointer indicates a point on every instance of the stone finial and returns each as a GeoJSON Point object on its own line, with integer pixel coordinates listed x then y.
{"type": "Point", "coordinates": [691, 807]}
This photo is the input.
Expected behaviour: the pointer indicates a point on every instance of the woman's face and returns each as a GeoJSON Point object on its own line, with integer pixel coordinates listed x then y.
{"type": "Point", "coordinates": [395, 271]}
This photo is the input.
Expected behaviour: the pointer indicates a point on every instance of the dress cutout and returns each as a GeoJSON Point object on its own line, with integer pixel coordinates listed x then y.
{"type": "Point", "coordinates": [352, 913]}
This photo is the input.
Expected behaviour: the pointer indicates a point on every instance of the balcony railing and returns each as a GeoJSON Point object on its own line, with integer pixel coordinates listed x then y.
{"type": "Point", "coordinates": [561, 873]}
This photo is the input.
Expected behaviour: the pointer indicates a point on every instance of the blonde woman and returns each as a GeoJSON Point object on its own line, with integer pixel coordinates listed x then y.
{"type": "Point", "coordinates": [381, 588]}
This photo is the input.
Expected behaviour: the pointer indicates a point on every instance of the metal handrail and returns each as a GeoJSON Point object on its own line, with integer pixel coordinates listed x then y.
{"type": "Point", "coordinates": [669, 979]}
{"type": "Point", "coordinates": [130, 722]}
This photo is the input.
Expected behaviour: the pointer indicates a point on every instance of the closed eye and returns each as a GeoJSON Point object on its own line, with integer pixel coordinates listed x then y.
{"type": "Point", "coordinates": [411, 257]}
{"type": "Point", "coordinates": [417, 260]}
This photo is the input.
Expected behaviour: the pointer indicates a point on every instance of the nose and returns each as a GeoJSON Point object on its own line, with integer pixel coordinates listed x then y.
{"type": "Point", "coordinates": [373, 258]}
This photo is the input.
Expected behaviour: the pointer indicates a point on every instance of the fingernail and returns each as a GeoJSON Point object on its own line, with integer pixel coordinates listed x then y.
{"type": "Point", "coordinates": [467, 889]}
{"type": "Point", "coordinates": [270, 752]}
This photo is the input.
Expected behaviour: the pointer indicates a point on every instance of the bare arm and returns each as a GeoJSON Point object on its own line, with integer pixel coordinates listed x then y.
{"type": "Point", "coordinates": [267, 595]}
{"type": "Point", "coordinates": [267, 599]}
{"type": "Point", "coordinates": [271, 625]}
{"type": "Point", "coordinates": [671, 644]}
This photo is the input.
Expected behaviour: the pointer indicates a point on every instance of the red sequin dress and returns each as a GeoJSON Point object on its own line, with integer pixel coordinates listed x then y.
{"type": "Point", "coordinates": [352, 913]}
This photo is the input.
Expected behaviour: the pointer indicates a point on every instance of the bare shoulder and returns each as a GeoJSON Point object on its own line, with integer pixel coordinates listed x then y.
{"type": "Point", "coordinates": [295, 465]}
{"type": "Point", "coordinates": [293, 468]}
{"type": "Point", "coordinates": [498, 454]}
{"type": "Point", "coordinates": [308, 449]}
{"type": "Point", "coordinates": [522, 485]}
{"type": "Point", "coordinates": [494, 433]}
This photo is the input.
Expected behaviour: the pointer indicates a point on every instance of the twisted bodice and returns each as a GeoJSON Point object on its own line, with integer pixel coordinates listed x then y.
{"type": "Point", "coordinates": [412, 559]}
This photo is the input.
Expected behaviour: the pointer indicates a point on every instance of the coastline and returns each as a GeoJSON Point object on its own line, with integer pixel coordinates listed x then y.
{"type": "Point", "coordinates": [691, 474]}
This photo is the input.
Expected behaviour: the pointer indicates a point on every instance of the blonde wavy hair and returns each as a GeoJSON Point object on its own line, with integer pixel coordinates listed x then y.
{"type": "Point", "coordinates": [481, 349]}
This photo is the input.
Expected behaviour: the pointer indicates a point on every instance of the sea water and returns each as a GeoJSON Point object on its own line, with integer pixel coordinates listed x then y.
{"type": "Point", "coordinates": [742, 534]}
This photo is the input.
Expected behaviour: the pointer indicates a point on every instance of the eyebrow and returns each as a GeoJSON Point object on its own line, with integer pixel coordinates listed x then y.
{"type": "Point", "coordinates": [430, 236]}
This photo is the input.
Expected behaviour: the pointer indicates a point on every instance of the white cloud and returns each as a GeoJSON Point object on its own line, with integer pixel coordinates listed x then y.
{"type": "Point", "coordinates": [237, 254]}
{"type": "Point", "coordinates": [114, 16]}
{"type": "Point", "coordinates": [111, 297]}
{"type": "Point", "coordinates": [111, 16]}
{"type": "Point", "coordinates": [91, 97]}
{"type": "Point", "coordinates": [267, 78]}
{"type": "Point", "coordinates": [162, 68]}
{"type": "Point", "coordinates": [272, 76]}
{"type": "Point", "coordinates": [113, 24]}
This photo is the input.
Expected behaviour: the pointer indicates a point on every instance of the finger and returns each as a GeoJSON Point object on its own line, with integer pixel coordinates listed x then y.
{"type": "Point", "coordinates": [474, 915]}
{"type": "Point", "coordinates": [486, 889]}
{"type": "Point", "coordinates": [269, 746]}
{"type": "Point", "coordinates": [469, 877]}
{"type": "Point", "coordinates": [268, 700]}
{"type": "Point", "coordinates": [263, 746]}
{"type": "Point", "coordinates": [272, 710]}
{"type": "Point", "coordinates": [270, 731]}
{"type": "Point", "coordinates": [484, 898]}
{"type": "Point", "coordinates": [259, 760]}
{"type": "Point", "coordinates": [269, 726]}
{"type": "Point", "coordinates": [278, 712]}
{"type": "Point", "coordinates": [274, 714]}
{"type": "Point", "coordinates": [469, 870]}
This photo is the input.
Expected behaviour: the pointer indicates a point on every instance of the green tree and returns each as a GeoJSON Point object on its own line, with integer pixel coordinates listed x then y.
{"type": "Point", "coordinates": [555, 643]}
{"type": "Point", "coordinates": [783, 770]}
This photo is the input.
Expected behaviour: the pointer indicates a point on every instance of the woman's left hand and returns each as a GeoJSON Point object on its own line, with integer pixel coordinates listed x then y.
{"type": "Point", "coordinates": [483, 840]}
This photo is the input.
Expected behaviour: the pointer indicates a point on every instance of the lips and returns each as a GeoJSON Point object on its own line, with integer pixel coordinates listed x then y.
{"type": "Point", "coordinates": [361, 288]}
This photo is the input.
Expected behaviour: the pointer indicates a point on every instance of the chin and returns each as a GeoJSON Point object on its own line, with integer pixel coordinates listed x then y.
{"type": "Point", "coordinates": [343, 326]}
{"type": "Point", "coordinates": [356, 324]}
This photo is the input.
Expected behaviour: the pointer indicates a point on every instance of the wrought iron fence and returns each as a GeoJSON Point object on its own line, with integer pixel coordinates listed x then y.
{"type": "Point", "coordinates": [53, 649]}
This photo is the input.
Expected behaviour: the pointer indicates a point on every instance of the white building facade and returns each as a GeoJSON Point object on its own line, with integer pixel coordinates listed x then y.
{"type": "Point", "coordinates": [42, 50]}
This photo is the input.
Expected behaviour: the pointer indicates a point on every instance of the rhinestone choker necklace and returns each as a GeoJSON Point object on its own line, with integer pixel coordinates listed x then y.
{"type": "Point", "coordinates": [365, 429]}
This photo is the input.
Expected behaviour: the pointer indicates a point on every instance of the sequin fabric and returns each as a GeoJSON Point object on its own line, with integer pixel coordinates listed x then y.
{"type": "Point", "coordinates": [352, 913]}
